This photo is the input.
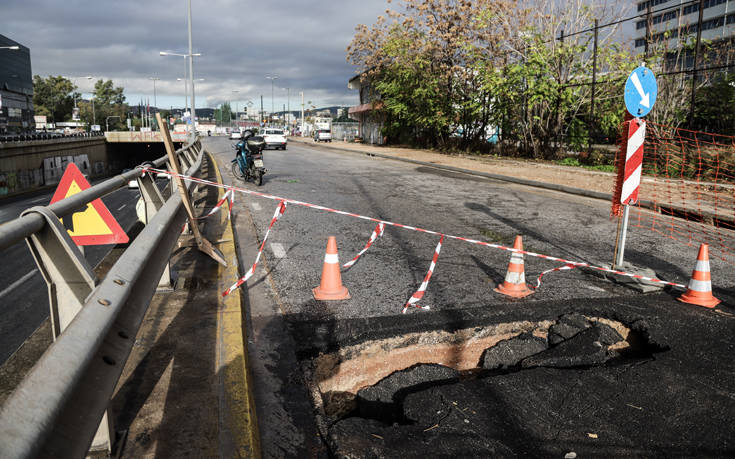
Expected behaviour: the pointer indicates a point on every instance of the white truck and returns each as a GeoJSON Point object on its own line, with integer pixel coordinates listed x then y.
{"type": "Point", "coordinates": [322, 129]}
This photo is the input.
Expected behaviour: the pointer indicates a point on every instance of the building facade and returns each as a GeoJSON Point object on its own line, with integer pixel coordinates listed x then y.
{"type": "Point", "coordinates": [369, 114]}
{"type": "Point", "coordinates": [672, 23]}
{"type": "Point", "coordinates": [16, 88]}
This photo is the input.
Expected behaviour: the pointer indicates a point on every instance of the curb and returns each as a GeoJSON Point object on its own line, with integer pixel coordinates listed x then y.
{"type": "Point", "coordinates": [238, 416]}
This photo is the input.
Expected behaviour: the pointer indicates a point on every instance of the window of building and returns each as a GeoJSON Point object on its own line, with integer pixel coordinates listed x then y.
{"type": "Point", "coordinates": [731, 18]}
{"type": "Point", "coordinates": [690, 9]}
{"type": "Point", "coordinates": [669, 15]}
{"type": "Point", "coordinates": [640, 42]}
{"type": "Point", "coordinates": [640, 25]}
{"type": "Point", "coordinates": [713, 23]}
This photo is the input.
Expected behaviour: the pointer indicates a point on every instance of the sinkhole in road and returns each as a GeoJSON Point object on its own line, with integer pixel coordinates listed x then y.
{"type": "Point", "coordinates": [371, 379]}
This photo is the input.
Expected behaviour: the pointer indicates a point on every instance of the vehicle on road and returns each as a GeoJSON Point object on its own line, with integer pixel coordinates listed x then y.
{"type": "Point", "coordinates": [274, 138]}
{"type": "Point", "coordinates": [323, 135]}
{"type": "Point", "coordinates": [132, 184]}
{"type": "Point", "coordinates": [248, 162]}
{"type": "Point", "coordinates": [235, 135]}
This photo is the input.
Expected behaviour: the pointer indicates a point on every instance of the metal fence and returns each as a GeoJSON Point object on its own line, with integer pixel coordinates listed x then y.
{"type": "Point", "coordinates": [57, 408]}
{"type": "Point", "coordinates": [691, 62]}
{"type": "Point", "coordinates": [344, 131]}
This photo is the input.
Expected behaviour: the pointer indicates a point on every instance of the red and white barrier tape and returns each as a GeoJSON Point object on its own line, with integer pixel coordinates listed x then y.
{"type": "Point", "coordinates": [416, 297]}
{"type": "Point", "coordinates": [558, 268]}
{"type": "Point", "coordinates": [578, 264]}
{"type": "Point", "coordinates": [229, 194]}
{"type": "Point", "coordinates": [279, 212]}
{"type": "Point", "coordinates": [377, 232]}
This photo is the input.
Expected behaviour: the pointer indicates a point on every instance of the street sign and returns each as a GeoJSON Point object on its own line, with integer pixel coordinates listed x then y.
{"type": "Point", "coordinates": [640, 91]}
{"type": "Point", "coordinates": [92, 225]}
{"type": "Point", "coordinates": [633, 161]}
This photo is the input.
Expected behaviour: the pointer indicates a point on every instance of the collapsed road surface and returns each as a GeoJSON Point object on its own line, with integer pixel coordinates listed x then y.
{"type": "Point", "coordinates": [582, 366]}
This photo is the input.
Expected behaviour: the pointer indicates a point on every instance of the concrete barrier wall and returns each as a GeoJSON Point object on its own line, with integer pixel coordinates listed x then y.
{"type": "Point", "coordinates": [28, 165]}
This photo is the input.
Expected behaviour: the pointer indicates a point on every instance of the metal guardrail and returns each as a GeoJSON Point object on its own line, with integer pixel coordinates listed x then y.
{"type": "Point", "coordinates": [57, 408]}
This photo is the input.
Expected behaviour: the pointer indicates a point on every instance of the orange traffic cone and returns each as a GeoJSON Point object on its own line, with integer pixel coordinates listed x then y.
{"type": "Point", "coordinates": [515, 279]}
{"type": "Point", "coordinates": [699, 291]}
{"type": "Point", "coordinates": [331, 287]}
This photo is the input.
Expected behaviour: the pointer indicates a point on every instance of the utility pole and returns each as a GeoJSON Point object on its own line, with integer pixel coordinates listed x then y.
{"type": "Point", "coordinates": [261, 108]}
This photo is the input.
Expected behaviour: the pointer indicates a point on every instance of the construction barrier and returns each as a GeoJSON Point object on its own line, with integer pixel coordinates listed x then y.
{"type": "Point", "coordinates": [689, 183]}
{"type": "Point", "coordinates": [568, 264]}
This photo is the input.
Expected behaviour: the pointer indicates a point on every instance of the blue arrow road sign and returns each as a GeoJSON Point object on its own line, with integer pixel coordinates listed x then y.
{"type": "Point", "coordinates": [640, 91]}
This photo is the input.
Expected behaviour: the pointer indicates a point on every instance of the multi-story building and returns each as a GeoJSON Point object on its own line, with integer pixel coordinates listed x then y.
{"type": "Point", "coordinates": [672, 23]}
{"type": "Point", "coordinates": [16, 88]}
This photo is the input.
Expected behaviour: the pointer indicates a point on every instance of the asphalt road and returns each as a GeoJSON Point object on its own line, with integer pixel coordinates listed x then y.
{"type": "Point", "coordinates": [23, 294]}
{"type": "Point", "coordinates": [551, 223]}
{"type": "Point", "coordinates": [289, 325]}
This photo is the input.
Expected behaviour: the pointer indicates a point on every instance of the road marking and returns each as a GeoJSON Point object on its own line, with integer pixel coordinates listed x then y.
{"type": "Point", "coordinates": [17, 283]}
{"type": "Point", "coordinates": [278, 250]}
{"type": "Point", "coordinates": [121, 207]}
{"type": "Point", "coordinates": [255, 205]}
{"type": "Point", "coordinates": [40, 199]}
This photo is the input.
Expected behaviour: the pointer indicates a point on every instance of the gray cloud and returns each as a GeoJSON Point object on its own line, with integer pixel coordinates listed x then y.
{"type": "Point", "coordinates": [241, 42]}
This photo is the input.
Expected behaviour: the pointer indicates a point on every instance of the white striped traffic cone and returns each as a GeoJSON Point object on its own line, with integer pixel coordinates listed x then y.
{"type": "Point", "coordinates": [331, 287]}
{"type": "Point", "coordinates": [699, 291]}
{"type": "Point", "coordinates": [515, 278]}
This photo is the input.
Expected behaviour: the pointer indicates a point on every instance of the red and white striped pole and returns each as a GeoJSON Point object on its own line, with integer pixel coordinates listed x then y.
{"type": "Point", "coordinates": [636, 137]}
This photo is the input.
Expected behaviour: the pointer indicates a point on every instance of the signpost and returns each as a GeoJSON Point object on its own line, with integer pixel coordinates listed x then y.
{"type": "Point", "coordinates": [640, 95]}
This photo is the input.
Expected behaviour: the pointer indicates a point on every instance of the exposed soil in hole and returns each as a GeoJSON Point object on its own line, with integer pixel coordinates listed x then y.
{"type": "Point", "coordinates": [371, 379]}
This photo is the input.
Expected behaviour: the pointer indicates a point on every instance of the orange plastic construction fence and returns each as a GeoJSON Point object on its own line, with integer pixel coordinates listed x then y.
{"type": "Point", "coordinates": [687, 191]}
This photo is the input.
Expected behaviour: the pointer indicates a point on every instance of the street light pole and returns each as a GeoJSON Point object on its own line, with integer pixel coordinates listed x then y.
{"type": "Point", "coordinates": [107, 122]}
{"type": "Point", "coordinates": [302, 113]}
{"type": "Point", "coordinates": [190, 56]}
{"type": "Point", "coordinates": [234, 91]}
{"type": "Point", "coordinates": [155, 105]}
{"type": "Point", "coordinates": [191, 74]}
{"type": "Point", "coordinates": [288, 98]}
{"type": "Point", "coordinates": [273, 78]}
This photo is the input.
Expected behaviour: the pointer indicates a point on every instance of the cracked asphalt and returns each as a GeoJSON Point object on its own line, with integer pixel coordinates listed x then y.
{"type": "Point", "coordinates": [681, 389]}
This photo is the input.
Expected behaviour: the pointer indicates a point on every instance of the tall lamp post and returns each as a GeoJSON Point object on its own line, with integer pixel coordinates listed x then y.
{"type": "Point", "coordinates": [234, 91]}
{"type": "Point", "coordinates": [288, 98]}
{"type": "Point", "coordinates": [273, 78]}
{"type": "Point", "coordinates": [155, 105]}
{"type": "Point", "coordinates": [107, 122]}
{"type": "Point", "coordinates": [186, 69]}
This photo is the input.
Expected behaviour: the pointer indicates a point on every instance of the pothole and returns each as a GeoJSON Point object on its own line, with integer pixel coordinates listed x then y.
{"type": "Point", "coordinates": [371, 379]}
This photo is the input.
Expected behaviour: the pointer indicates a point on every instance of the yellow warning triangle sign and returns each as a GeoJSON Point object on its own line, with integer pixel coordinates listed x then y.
{"type": "Point", "coordinates": [94, 225]}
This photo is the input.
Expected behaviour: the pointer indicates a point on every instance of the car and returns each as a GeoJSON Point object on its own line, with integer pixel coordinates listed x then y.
{"type": "Point", "coordinates": [323, 135]}
{"type": "Point", "coordinates": [235, 135]}
{"type": "Point", "coordinates": [274, 138]}
{"type": "Point", "coordinates": [133, 183]}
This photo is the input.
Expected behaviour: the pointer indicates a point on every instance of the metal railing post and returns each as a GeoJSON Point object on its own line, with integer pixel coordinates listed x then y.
{"type": "Point", "coordinates": [152, 203]}
{"type": "Point", "coordinates": [70, 280]}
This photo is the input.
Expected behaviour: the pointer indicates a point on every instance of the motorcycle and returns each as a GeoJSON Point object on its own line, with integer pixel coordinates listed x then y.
{"type": "Point", "coordinates": [248, 163]}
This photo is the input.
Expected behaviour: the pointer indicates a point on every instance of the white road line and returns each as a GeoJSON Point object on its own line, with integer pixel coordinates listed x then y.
{"type": "Point", "coordinates": [17, 283]}
{"type": "Point", "coordinates": [40, 199]}
{"type": "Point", "coordinates": [121, 207]}
{"type": "Point", "coordinates": [255, 205]}
{"type": "Point", "coordinates": [278, 250]}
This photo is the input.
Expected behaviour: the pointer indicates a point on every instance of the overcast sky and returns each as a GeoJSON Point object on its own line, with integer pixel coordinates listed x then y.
{"type": "Point", "coordinates": [303, 42]}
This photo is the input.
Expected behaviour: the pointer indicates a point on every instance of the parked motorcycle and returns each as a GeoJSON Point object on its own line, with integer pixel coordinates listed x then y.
{"type": "Point", "coordinates": [248, 163]}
